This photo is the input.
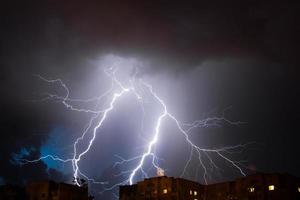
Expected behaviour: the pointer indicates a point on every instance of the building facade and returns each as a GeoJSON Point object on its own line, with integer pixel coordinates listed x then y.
{"type": "Point", "coordinates": [259, 186]}
{"type": "Point", "coordinates": [162, 188]}
{"type": "Point", "coordinates": [49, 190]}
{"type": "Point", "coordinates": [12, 192]}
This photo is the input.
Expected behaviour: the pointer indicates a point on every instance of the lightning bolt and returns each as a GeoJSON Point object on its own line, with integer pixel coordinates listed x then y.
{"type": "Point", "coordinates": [137, 88]}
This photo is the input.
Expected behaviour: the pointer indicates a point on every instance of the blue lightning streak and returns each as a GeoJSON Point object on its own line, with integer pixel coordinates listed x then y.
{"type": "Point", "coordinates": [99, 116]}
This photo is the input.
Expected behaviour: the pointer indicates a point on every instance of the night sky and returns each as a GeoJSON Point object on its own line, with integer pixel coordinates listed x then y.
{"type": "Point", "coordinates": [200, 56]}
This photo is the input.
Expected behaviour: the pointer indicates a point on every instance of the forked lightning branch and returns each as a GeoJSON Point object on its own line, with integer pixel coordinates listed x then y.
{"type": "Point", "coordinates": [140, 90]}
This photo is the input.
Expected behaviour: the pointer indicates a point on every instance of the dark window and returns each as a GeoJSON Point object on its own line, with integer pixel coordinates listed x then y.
{"type": "Point", "coordinates": [282, 182]}
{"type": "Point", "coordinates": [173, 186]}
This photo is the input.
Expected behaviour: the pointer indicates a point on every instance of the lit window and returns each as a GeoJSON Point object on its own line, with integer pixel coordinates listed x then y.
{"type": "Point", "coordinates": [195, 193]}
{"type": "Point", "coordinates": [191, 192]}
{"type": "Point", "coordinates": [298, 189]}
{"type": "Point", "coordinates": [165, 191]}
{"type": "Point", "coordinates": [271, 187]}
{"type": "Point", "coordinates": [251, 189]}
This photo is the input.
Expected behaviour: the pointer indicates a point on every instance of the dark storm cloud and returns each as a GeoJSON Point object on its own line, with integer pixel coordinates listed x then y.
{"type": "Point", "coordinates": [181, 35]}
{"type": "Point", "coordinates": [57, 38]}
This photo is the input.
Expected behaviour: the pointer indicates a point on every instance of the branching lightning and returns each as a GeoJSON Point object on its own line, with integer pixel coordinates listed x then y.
{"type": "Point", "coordinates": [98, 116]}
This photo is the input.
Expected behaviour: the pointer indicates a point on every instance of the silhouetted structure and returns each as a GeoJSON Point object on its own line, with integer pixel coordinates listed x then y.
{"type": "Point", "coordinates": [161, 188]}
{"type": "Point", "coordinates": [12, 192]}
{"type": "Point", "coordinates": [259, 186]}
{"type": "Point", "coordinates": [49, 190]}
